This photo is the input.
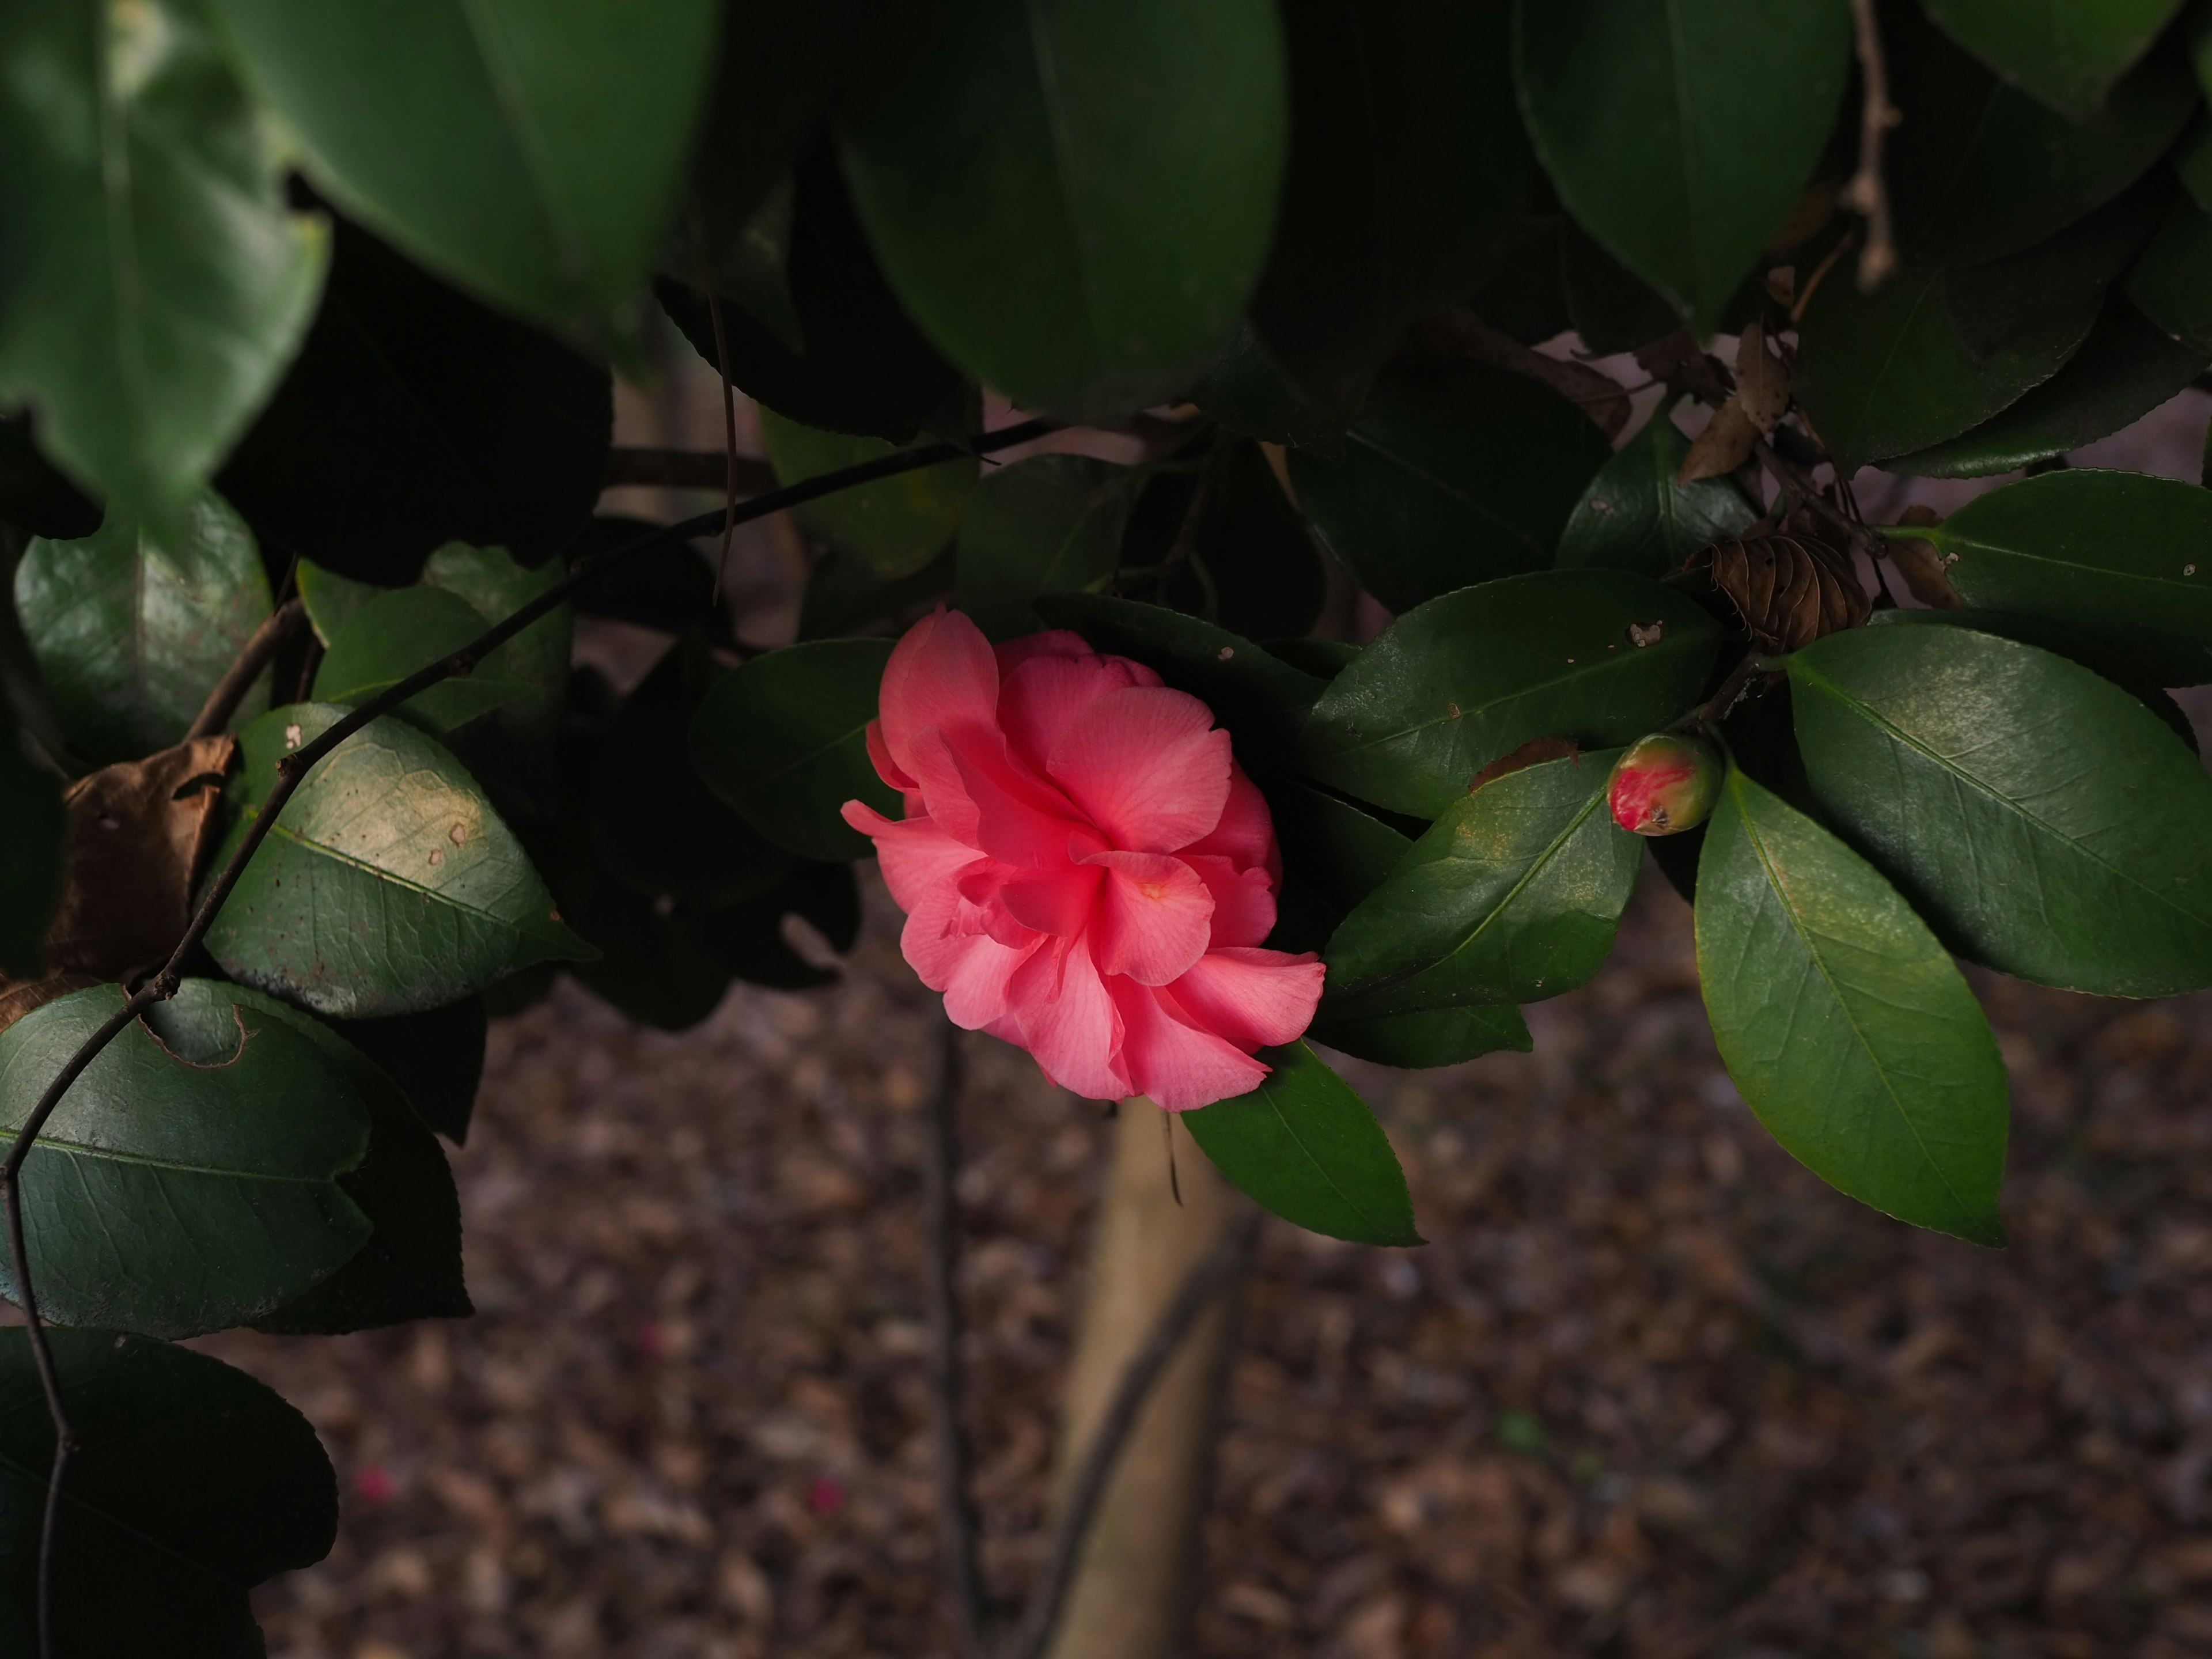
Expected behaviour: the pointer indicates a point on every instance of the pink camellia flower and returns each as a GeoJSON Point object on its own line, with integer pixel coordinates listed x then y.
{"type": "Point", "coordinates": [1085, 871]}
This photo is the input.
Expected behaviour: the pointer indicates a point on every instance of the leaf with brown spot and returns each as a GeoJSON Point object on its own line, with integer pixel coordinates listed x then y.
{"type": "Point", "coordinates": [1528, 754]}
{"type": "Point", "coordinates": [1790, 590]}
{"type": "Point", "coordinates": [1924, 572]}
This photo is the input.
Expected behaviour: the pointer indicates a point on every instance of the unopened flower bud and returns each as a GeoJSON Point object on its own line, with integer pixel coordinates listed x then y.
{"type": "Point", "coordinates": [1664, 784]}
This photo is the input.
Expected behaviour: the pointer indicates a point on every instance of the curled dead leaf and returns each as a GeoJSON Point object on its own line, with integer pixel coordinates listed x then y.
{"type": "Point", "coordinates": [1762, 380]}
{"type": "Point", "coordinates": [1790, 590]}
{"type": "Point", "coordinates": [1723, 446]}
{"type": "Point", "coordinates": [1925, 572]}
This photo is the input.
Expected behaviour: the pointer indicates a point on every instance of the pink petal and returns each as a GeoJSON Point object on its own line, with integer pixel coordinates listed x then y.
{"type": "Point", "coordinates": [1243, 899]}
{"type": "Point", "coordinates": [880, 755]}
{"type": "Point", "coordinates": [1178, 1067]}
{"type": "Point", "coordinates": [1147, 766]}
{"type": "Point", "coordinates": [941, 676]}
{"type": "Point", "coordinates": [1019, 817]}
{"type": "Point", "coordinates": [1153, 919]}
{"type": "Point", "coordinates": [1254, 999]}
{"type": "Point", "coordinates": [1069, 1023]}
{"type": "Point", "coordinates": [917, 858]}
{"type": "Point", "coordinates": [1053, 642]}
{"type": "Point", "coordinates": [1246, 833]}
{"type": "Point", "coordinates": [1041, 698]}
{"type": "Point", "coordinates": [976, 991]}
{"type": "Point", "coordinates": [1054, 901]}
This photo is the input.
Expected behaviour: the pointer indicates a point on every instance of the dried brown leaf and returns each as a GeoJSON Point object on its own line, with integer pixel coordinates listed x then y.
{"type": "Point", "coordinates": [1461, 333]}
{"type": "Point", "coordinates": [1723, 446]}
{"type": "Point", "coordinates": [1762, 382]}
{"type": "Point", "coordinates": [18, 997]}
{"type": "Point", "coordinates": [1925, 572]}
{"type": "Point", "coordinates": [1531, 753]}
{"type": "Point", "coordinates": [1790, 590]}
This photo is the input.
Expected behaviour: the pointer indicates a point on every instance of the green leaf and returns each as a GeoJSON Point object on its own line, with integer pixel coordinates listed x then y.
{"type": "Point", "coordinates": [1513, 895]}
{"type": "Point", "coordinates": [1462, 680]}
{"type": "Point", "coordinates": [1978, 169]}
{"type": "Point", "coordinates": [857, 364]}
{"type": "Point", "coordinates": [530, 153]}
{"type": "Point", "coordinates": [1334, 856]}
{"type": "Point", "coordinates": [189, 1483]}
{"type": "Point", "coordinates": [189, 1181]}
{"type": "Point", "coordinates": [436, 1057]}
{"type": "Point", "coordinates": [397, 633]}
{"type": "Point", "coordinates": [1680, 135]}
{"type": "Point", "coordinates": [1074, 201]}
{"type": "Point", "coordinates": [1613, 309]}
{"type": "Point", "coordinates": [1256, 696]}
{"type": "Point", "coordinates": [655, 826]}
{"type": "Point", "coordinates": [749, 939]}
{"type": "Point", "coordinates": [784, 740]}
{"type": "Point", "coordinates": [1847, 1029]}
{"type": "Point", "coordinates": [33, 831]}
{"type": "Point", "coordinates": [843, 595]}
{"type": "Point", "coordinates": [1306, 1148]}
{"type": "Point", "coordinates": [512, 753]}
{"type": "Point", "coordinates": [648, 966]}
{"type": "Point", "coordinates": [2121, 558]}
{"type": "Point", "coordinates": [1228, 544]}
{"type": "Point", "coordinates": [411, 1268]}
{"type": "Point", "coordinates": [1049, 525]}
{"type": "Point", "coordinates": [154, 286]}
{"type": "Point", "coordinates": [2068, 53]}
{"type": "Point", "coordinates": [388, 886]}
{"type": "Point", "coordinates": [1635, 516]}
{"type": "Point", "coordinates": [2042, 819]}
{"type": "Point", "coordinates": [1931, 354]}
{"type": "Point", "coordinates": [1452, 474]}
{"type": "Point", "coordinates": [133, 628]}
{"type": "Point", "coordinates": [2123, 370]}
{"type": "Point", "coordinates": [1246, 388]}
{"type": "Point", "coordinates": [1435, 1037]}
{"type": "Point", "coordinates": [414, 416]}
{"type": "Point", "coordinates": [896, 525]}
{"type": "Point", "coordinates": [2173, 281]}
{"type": "Point", "coordinates": [331, 598]}
{"type": "Point", "coordinates": [1408, 171]}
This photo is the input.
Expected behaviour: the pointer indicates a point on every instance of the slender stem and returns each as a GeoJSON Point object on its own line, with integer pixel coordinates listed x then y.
{"type": "Point", "coordinates": [729, 441]}
{"type": "Point", "coordinates": [687, 469]}
{"type": "Point", "coordinates": [290, 771]}
{"type": "Point", "coordinates": [956, 1508]}
{"type": "Point", "coordinates": [278, 626]}
{"type": "Point", "coordinates": [1866, 194]}
{"type": "Point", "coordinates": [1221, 1267]}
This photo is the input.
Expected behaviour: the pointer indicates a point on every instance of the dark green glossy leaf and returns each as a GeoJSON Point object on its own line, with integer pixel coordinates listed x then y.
{"type": "Point", "coordinates": [529, 153]}
{"type": "Point", "coordinates": [669, 589]}
{"type": "Point", "coordinates": [750, 941]}
{"type": "Point", "coordinates": [2068, 54]}
{"type": "Point", "coordinates": [1334, 856]}
{"type": "Point", "coordinates": [1436, 1037]}
{"type": "Point", "coordinates": [1635, 516]}
{"type": "Point", "coordinates": [2118, 556]}
{"type": "Point", "coordinates": [34, 827]}
{"type": "Point", "coordinates": [1513, 895]}
{"type": "Point", "coordinates": [1248, 390]}
{"type": "Point", "coordinates": [1323, 659]}
{"type": "Point", "coordinates": [2123, 370]}
{"type": "Point", "coordinates": [2191, 160]}
{"type": "Point", "coordinates": [2042, 819]}
{"type": "Point", "coordinates": [654, 826]}
{"type": "Point", "coordinates": [843, 596]}
{"type": "Point", "coordinates": [155, 284]}
{"type": "Point", "coordinates": [857, 364]}
{"type": "Point", "coordinates": [2173, 281]}
{"type": "Point", "coordinates": [512, 752]}
{"type": "Point", "coordinates": [1452, 474]}
{"type": "Point", "coordinates": [1259, 699]}
{"type": "Point", "coordinates": [189, 1483]}
{"type": "Point", "coordinates": [133, 628]}
{"type": "Point", "coordinates": [784, 740]}
{"type": "Point", "coordinates": [1847, 1028]}
{"type": "Point", "coordinates": [1073, 200]}
{"type": "Point", "coordinates": [1527, 297]}
{"type": "Point", "coordinates": [1251, 563]}
{"type": "Point", "coordinates": [897, 526]}
{"type": "Point", "coordinates": [411, 1268]}
{"type": "Point", "coordinates": [1306, 1148]}
{"type": "Point", "coordinates": [1680, 135]}
{"type": "Point", "coordinates": [1613, 309]}
{"type": "Point", "coordinates": [413, 416]}
{"type": "Point", "coordinates": [648, 966]}
{"type": "Point", "coordinates": [1978, 169]}
{"type": "Point", "coordinates": [188, 1182]}
{"type": "Point", "coordinates": [437, 1059]}
{"type": "Point", "coordinates": [392, 635]}
{"type": "Point", "coordinates": [388, 885]}
{"type": "Point", "coordinates": [1408, 170]}
{"type": "Point", "coordinates": [1451, 687]}
{"type": "Point", "coordinates": [1931, 354]}
{"type": "Point", "coordinates": [1049, 525]}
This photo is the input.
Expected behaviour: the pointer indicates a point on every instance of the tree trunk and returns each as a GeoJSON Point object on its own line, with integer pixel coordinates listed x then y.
{"type": "Point", "coordinates": [1131, 1598]}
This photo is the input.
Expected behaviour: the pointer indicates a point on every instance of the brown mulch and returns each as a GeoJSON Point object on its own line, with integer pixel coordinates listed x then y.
{"type": "Point", "coordinates": [1653, 1391]}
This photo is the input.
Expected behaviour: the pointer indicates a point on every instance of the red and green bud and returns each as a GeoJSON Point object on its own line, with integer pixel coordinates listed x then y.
{"type": "Point", "coordinates": [1664, 784]}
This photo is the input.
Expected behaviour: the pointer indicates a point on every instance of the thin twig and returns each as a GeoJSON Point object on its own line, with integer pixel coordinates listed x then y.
{"type": "Point", "coordinates": [278, 626]}
{"type": "Point", "coordinates": [956, 1508]}
{"type": "Point", "coordinates": [1866, 194]}
{"type": "Point", "coordinates": [291, 770]}
{"type": "Point", "coordinates": [1221, 1267]}
{"type": "Point", "coordinates": [729, 443]}
{"type": "Point", "coordinates": [686, 468]}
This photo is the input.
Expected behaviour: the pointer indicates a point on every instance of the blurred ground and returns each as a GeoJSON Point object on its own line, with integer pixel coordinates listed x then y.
{"type": "Point", "coordinates": [1652, 1390]}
